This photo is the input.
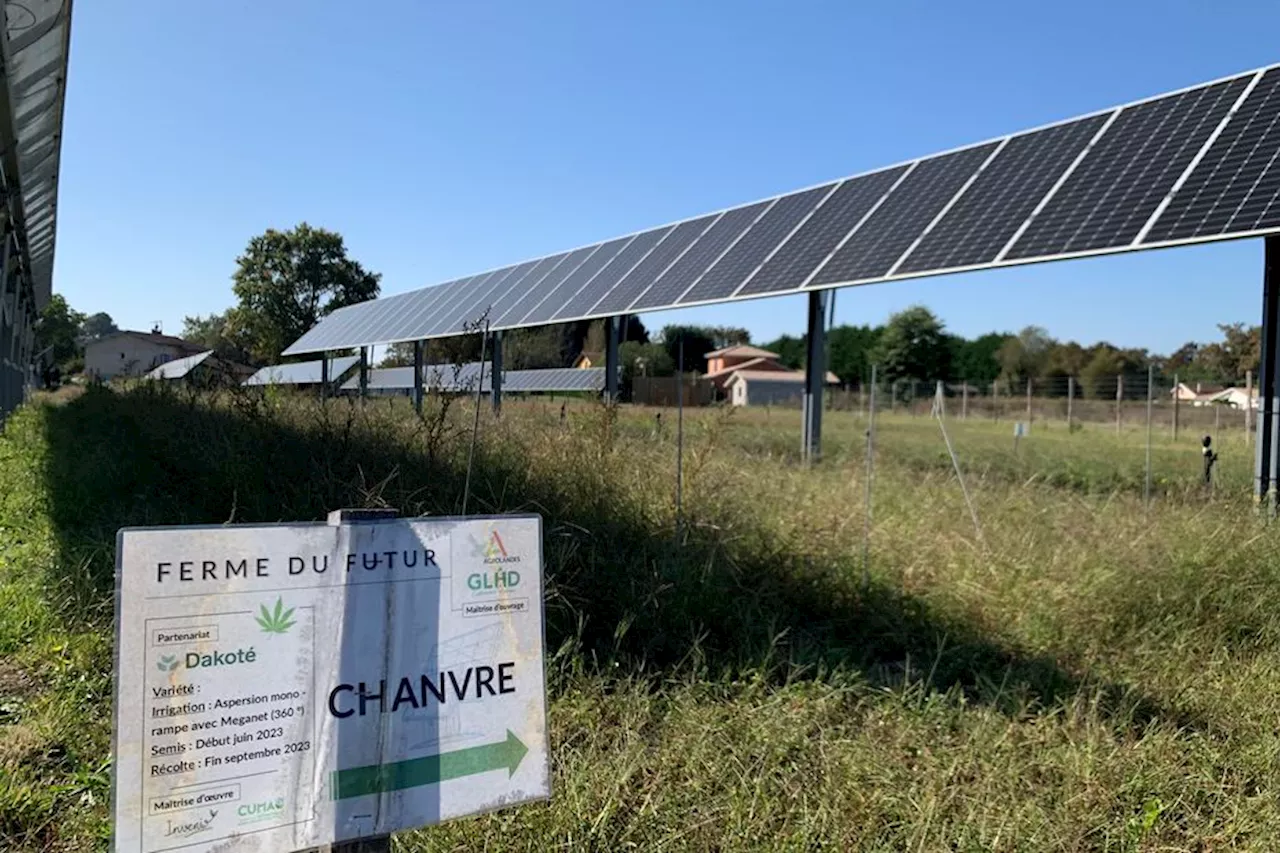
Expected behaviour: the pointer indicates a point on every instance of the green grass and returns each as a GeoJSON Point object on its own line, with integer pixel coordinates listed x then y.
{"type": "Point", "coordinates": [1091, 675]}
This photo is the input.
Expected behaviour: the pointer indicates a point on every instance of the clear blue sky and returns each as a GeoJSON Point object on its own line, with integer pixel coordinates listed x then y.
{"type": "Point", "coordinates": [446, 138]}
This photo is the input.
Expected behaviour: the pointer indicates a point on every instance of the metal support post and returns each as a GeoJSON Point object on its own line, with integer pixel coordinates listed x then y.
{"type": "Point", "coordinates": [325, 378]}
{"type": "Point", "coordinates": [364, 372]}
{"type": "Point", "coordinates": [495, 378]}
{"type": "Point", "coordinates": [417, 376]}
{"type": "Point", "coordinates": [613, 332]}
{"type": "Point", "coordinates": [815, 371]}
{"type": "Point", "coordinates": [1268, 427]}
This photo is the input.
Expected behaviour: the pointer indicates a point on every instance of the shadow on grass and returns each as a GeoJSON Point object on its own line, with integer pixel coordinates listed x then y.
{"type": "Point", "coordinates": [621, 597]}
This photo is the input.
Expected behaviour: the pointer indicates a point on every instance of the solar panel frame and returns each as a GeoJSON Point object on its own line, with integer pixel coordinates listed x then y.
{"type": "Point", "coordinates": [416, 317]}
{"type": "Point", "coordinates": [678, 240]}
{"type": "Point", "coordinates": [649, 301]}
{"type": "Point", "coordinates": [302, 372]}
{"type": "Point", "coordinates": [579, 305]}
{"type": "Point", "coordinates": [876, 245]}
{"type": "Point", "coordinates": [1200, 196]}
{"type": "Point", "coordinates": [723, 278]}
{"type": "Point", "coordinates": [466, 294]}
{"type": "Point", "coordinates": [467, 309]}
{"type": "Point", "coordinates": [576, 279]}
{"type": "Point", "coordinates": [364, 325]}
{"type": "Point", "coordinates": [1144, 140]}
{"type": "Point", "coordinates": [548, 280]}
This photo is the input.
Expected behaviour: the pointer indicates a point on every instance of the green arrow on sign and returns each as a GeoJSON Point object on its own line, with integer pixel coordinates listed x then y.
{"type": "Point", "coordinates": [428, 770]}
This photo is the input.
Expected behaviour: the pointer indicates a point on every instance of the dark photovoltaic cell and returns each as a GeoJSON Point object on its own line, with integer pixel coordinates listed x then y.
{"type": "Point", "coordinates": [1123, 179]}
{"type": "Point", "coordinates": [557, 290]}
{"type": "Point", "coordinates": [728, 273]}
{"type": "Point", "coordinates": [822, 232]}
{"type": "Point", "coordinates": [675, 281]}
{"type": "Point", "coordinates": [874, 248]}
{"type": "Point", "coordinates": [984, 220]}
{"type": "Point", "coordinates": [1236, 187]}
{"type": "Point", "coordinates": [517, 283]}
{"type": "Point", "coordinates": [414, 317]}
{"type": "Point", "coordinates": [579, 305]}
{"type": "Point", "coordinates": [369, 327]}
{"type": "Point", "coordinates": [634, 282]}
{"type": "Point", "coordinates": [470, 308]}
{"type": "Point", "coordinates": [537, 284]}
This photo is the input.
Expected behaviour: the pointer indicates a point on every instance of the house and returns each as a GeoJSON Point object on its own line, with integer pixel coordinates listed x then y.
{"type": "Point", "coordinates": [769, 387]}
{"type": "Point", "coordinates": [204, 368]}
{"type": "Point", "coordinates": [1202, 394]}
{"type": "Point", "coordinates": [588, 360]}
{"type": "Point", "coordinates": [723, 363]}
{"type": "Point", "coordinates": [1236, 398]}
{"type": "Point", "coordinates": [133, 353]}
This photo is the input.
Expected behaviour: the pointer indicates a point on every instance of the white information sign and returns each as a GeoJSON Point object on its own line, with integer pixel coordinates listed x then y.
{"type": "Point", "coordinates": [280, 687]}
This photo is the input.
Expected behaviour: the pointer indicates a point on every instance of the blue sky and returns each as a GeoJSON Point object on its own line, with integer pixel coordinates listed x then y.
{"type": "Point", "coordinates": [446, 138]}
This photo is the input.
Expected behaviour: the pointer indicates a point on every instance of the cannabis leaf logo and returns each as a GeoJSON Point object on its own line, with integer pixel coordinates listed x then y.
{"type": "Point", "coordinates": [167, 663]}
{"type": "Point", "coordinates": [278, 622]}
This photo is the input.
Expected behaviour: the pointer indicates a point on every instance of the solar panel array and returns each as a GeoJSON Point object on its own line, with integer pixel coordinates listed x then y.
{"type": "Point", "coordinates": [462, 378]}
{"type": "Point", "coordinates": [1195, 165]}
{"type": "Point", "coordinates": [179, 367]}
{"type": "Point", "coordinates": [302, 372]}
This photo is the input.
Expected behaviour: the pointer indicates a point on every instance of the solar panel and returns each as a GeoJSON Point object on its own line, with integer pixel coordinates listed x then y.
{"type": "Point", "coordinates": [179, 367]}
{"type": "Point", "coordinates": [553, 294]}
{"type": "Point", "coordinates": [654, 264]}
{"type": "Point", "coordinates": [462, 379]}
{"type": "Point", "coordinates": [1202, 163]}
{"type": "Point", "coordinates": [795, 259]}
{"type": "Point", "coordinates": [302, 372]}
{"type": "Point", "coordinates": [727, 274]}
{"type": "Point", "coordinates": [672, 284]}
{"type": "Point", "coordinates": [873, 248]}
{"type": "Point", "coordinates": [1236, 187]}
{"type": "Point", "coordinates": [1128, 172]}
{"type": "Point", "coordinates": [580, 304]}
{"type": "Point", "coordinates": [471, 307]}
{"type": "Point", "coordinates": [986, 217]}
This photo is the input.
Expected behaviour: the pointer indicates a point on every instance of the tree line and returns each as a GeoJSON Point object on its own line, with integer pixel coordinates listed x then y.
{"type": "Point", "coordinates": [285, 282]}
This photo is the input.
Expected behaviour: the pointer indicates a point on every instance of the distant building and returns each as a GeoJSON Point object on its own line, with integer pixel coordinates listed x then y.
{"type": "Point", "coordinates": [588, 360]}
{"type": "Point", "coordinates": [769, 387]}
{"type": "Point", "coordinates": [1201, 394]}
{"type": "Point", "coordinates": [750, 376]}
{"type": "Point", "coordinates": [1236, 398]}
{"type": "Point", "coordinates": [133, 353]}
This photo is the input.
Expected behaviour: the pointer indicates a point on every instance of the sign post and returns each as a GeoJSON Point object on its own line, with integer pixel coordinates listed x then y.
{"type": "Point", "coordinates": [283, 687]}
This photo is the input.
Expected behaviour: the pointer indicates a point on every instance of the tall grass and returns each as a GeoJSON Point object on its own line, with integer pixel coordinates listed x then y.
{"type": "Point", "coordinates": [1092, 675]}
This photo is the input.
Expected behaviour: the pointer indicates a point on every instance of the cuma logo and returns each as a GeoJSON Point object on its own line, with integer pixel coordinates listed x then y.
{"type": "Point", "coordinates": [263, 810]}
{"type": "Point", "coordinates": [187, 828]}
{"type": "Point", "coordinates": [167, 663]}
{"type": "Point", "coordinates": [493, 551]}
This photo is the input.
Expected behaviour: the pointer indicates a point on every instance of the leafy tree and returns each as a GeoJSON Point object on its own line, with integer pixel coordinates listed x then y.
{"type": "Point", "coordinates": [219, 333]}
{"type": "Point", "coordinates": [913, 345]}
{"type": "Point", "coordinates": [398, 355]}
{"type": "Point", "coordinates": [790, 350]}
{"type": "Point", "coordinates": [1024, 357]}
{"type": "Point", "coordinates": [637, 359]}
{"type": "Point", "coordinates": [58, 330]}
{"type": "Point", "coordinates": [850, 351]}
{"type": "Point", "coordinates": [977, 361]}
{"type": "Point", "coordinates": [97, 326]}
{"type": "Point", "coordinates": [698, 341]}
{"type": "Point", "coordinates": [287, 280]}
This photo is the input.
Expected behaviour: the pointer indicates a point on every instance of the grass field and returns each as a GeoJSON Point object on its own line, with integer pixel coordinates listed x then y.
{"type": "Point", "coordinates": [1089, 674]}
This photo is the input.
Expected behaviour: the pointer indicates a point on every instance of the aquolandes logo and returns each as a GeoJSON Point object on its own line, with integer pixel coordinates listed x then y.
{"type": "Point", "coordinates": [260, 811]}
{"type": "Point", "coordinates": [493, 551]}
{"type": "Point", "coordinates": [188, 828]}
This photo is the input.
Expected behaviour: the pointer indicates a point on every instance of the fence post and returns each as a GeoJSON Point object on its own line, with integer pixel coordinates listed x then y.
{"type": "Point", "coordinates": [1028, 402]}
{"type": "Point", "coordinates": [1176, 395]}
{"type": "Point", "coordinates": [964, 398]}
{"type": "Point", "coordinates": [1119, 398]}
{"type": "Point", "coordinates": [1248, 407]}
{"type": "Point", "coordinates": [1151, 396]}
{"type": "Point", "coordinates": [893, 395]}
{"type": "Point", "coordinates": [871, 461]}
{"type": "Point", "coordinates": [995, 415]}
{"type": "Point", "coordinates": [1071, 393]}
{"type": "Point", "coordinates": [913, 396]}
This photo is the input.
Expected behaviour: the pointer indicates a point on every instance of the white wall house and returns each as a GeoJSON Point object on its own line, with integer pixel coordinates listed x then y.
{"type": "Point", "coordinates": [768, 387]}
{"type": "Point", "coordinates": [132, 353]}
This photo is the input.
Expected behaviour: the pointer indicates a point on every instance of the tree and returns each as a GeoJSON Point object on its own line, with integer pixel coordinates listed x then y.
{"type": "Point", "coordinates": [698, 341]}
{"type": "Point", "coordinates": [977, 360]}
{"type": "Point", "coordinates": [637, 359]}
{"type": "Point", "coordinates": [913, 346]}
{"type": "Point", "coordinates": [851, 351]}
{"type": "Point", "coordinates": [219, 333]}
{"type": "Point", "coordinates": [1023, 357]}
{"type": "Point", "coordinates": [97, 326]}
{"type": "Point", "coordinates": [790, 350]}
{"type": "Point", "coordinates": [287, 280]}
{"type": "Point", "coordinates": [58, 330]}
